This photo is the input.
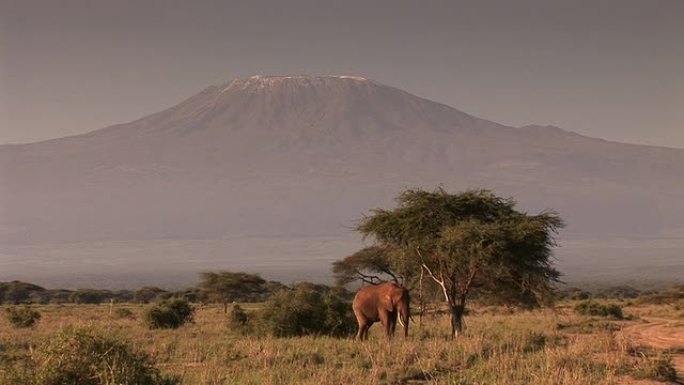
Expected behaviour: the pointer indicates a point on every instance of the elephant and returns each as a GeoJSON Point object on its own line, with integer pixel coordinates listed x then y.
{"type": "Point", "coordinates": [382, 303]}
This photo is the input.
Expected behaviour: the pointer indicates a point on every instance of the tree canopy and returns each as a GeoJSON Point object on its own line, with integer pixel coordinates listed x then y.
{"type": "Point", "coordinates": [228, 286]}
{"type": "Point", "coordinates": [370, 265]}
{"type": "Point", "coordinates": [465, 242]}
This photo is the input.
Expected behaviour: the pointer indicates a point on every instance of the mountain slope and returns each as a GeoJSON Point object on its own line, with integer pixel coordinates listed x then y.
{"type": "Point", "coordinates": [300, 156]}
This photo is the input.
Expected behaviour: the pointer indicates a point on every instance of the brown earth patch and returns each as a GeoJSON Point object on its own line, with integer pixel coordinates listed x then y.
{"type": "Point", "coordinates": [661, 334]}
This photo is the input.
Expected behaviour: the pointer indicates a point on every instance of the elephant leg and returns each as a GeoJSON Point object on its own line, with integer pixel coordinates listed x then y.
{"type": "Point", "coordinates": [393, 321]}
{"type": "Point", "coordinates": [385, 319]}
{"type": "Point", "coordinates": [362, 333]}
{"type": "Point", "coordinates": [364, 324]}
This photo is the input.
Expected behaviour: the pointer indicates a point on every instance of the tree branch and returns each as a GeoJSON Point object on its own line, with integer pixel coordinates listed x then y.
{"type": "Point", "coordinates": [368, 278]}
{"type": "Point", "coordinates": [440, 282]}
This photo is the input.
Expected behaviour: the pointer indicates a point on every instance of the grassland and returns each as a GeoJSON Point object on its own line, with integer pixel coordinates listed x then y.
{"type": "Point", "coordinates": [499, 347]}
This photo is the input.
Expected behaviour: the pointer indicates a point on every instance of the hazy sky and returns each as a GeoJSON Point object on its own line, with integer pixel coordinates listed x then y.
{"type": "Point", "coordinates": [612, 69]}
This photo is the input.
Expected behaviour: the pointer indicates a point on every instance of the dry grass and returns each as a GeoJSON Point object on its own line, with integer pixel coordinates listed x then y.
{"type": "Point", "coordinates": [499, 348]}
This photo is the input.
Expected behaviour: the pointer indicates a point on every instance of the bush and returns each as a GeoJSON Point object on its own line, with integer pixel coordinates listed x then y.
{"type": "Point", "coordinates": [659, 368]}
{"type": "Point", "coordinates": [169, 314]}
{"type": "Point", "coordinates": [85, 358]}
{"type": "Point", "coordinates": [22, 317]}
{"type": "Point", "coordinates": [339, 316]}
{"type": "Point", "coordinates": [90, 296]}
{"type": "Point", "coordinates": [597, 309]}
{"type": "Point", "coordinates": [574, 293]}
{"type": "Point", "coordinates": [304, 310]}
{"type": "Point", "coordinates": [669, 296]}
{"type": "Point", "coordinates": [238, 316]}
{"type": "Point", "coordinates": [619, 292]}
{"type": "Point", "coordinates": [238, 320]}
{"type": "Point", "coordinates": [123, 312]}
{"type": "Point", "coordinates": [17, 292]}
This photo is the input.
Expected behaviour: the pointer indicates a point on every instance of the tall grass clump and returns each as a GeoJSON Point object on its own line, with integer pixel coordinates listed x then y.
{"type": "Point", "coordinates": [169, 314]}
{"type": "Point", "coordinates": [82, 357]}
{"type": "Point", "coordinates": [24, 317]}
{"type": "Point", "coordinates": [593, 308]}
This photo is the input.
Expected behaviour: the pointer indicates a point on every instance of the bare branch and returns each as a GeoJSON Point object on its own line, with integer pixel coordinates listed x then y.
{"type": "Point", "coordinates": [368, 278]}
{"type": "Point", "coordinates": [434, 278]}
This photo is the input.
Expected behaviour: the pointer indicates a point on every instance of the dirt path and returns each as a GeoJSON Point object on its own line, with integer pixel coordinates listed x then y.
{"type": "Point", "coordinates": [660, 333]}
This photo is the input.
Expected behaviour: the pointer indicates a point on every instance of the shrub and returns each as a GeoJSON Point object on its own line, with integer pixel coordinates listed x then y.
{"type": "Point", "coordinates": [90, 296]}
{"type": "Point", "coordinates": [123, 312]}
{"type": "Point", "coordinates": [149, 294]}
{"type": "Point", "coordinates": [669, 296]}
{"type": "Point", "coordinates": [24, 317]}
{"type": "Point", "coordinates": [17, 292]}
{"type": "Point", "coordinates": [659, 368]}
{"type": "Point", "coordinates": [85, 358]}
{"type": "Point", "coordinates": [534, 342]}
{"type": "Point", "coordinates": [169, 314]}
{"type": "Point", "coordinates": [339, 316]}
{"type": "Point", "coordinates": [574, 293]}
{"type": "Point", "coordinates": [306, 309]}
{"type": "Point", "coordinates": [597, 309]}
{"type": "Point", "coordinates": [238, 320]}
{"type": "Point", "coordinates": [238, 316]}
{"type": "Point", "coordinates": [619, 292]}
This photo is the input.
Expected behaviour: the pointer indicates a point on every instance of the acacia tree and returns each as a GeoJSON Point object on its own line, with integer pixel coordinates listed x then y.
{"type": "Point", "coordinates": [466, 242]}
{"type": "Point", "coordinates": [228, 286]}
{"type": "Point", "coordinates": [370, 265]}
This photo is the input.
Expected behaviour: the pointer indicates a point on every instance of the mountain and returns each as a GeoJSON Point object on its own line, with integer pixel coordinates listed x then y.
{"type": "Point", "coordinates": [271, 168]}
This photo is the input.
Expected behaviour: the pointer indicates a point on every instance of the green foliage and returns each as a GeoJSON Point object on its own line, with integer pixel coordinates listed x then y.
{"type": "Point", "coordinates": [169, 314]}
{"type": "Point", "coordinates": [593, 308]}
{"type": "Point", "coordinates": [149, 294]}
{"type": "Point", "coordinates": [306, 309]}
{"type": "Point", "coordinates": [80, 357]}
{"type": "Point", "coordinates": [371, 264]}
{"type": "Point", "coordinates": [58, 296]}
{"type": "Point", "coordinates": [90, 296]}
{"type": "Point", "coordinates": [339, 316]}
{"type": "Point", "coordinates": [24, 317]}
{"type": "Point", "coordinates": [469, 243]}
{"type": "Point", "coordinates": [17, 292]}
{"type": "Point", "coordinates": [472, 234]}
{"type": "Point", "coordinates": [227, 286]}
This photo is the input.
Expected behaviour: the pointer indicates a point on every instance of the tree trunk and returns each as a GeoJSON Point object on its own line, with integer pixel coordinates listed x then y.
{"type": "Point", "coordinates": [456, 319]}
{"type": "Point", "coordinates": [457, 312]}
{"type": "Point", "coordinates": [420, 297]}
{"type": "Point", "coordinates": [225, 307]}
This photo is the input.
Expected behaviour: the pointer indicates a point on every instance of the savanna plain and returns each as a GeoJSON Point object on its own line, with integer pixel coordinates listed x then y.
{"type": "Point", "coordinates": [500, 345]}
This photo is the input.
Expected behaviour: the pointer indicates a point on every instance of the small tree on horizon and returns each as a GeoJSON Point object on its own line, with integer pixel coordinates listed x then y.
{"type": "Point", "coordinates": [228, 286]}
{"type": "Point", "coordinates": [466, 242]}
